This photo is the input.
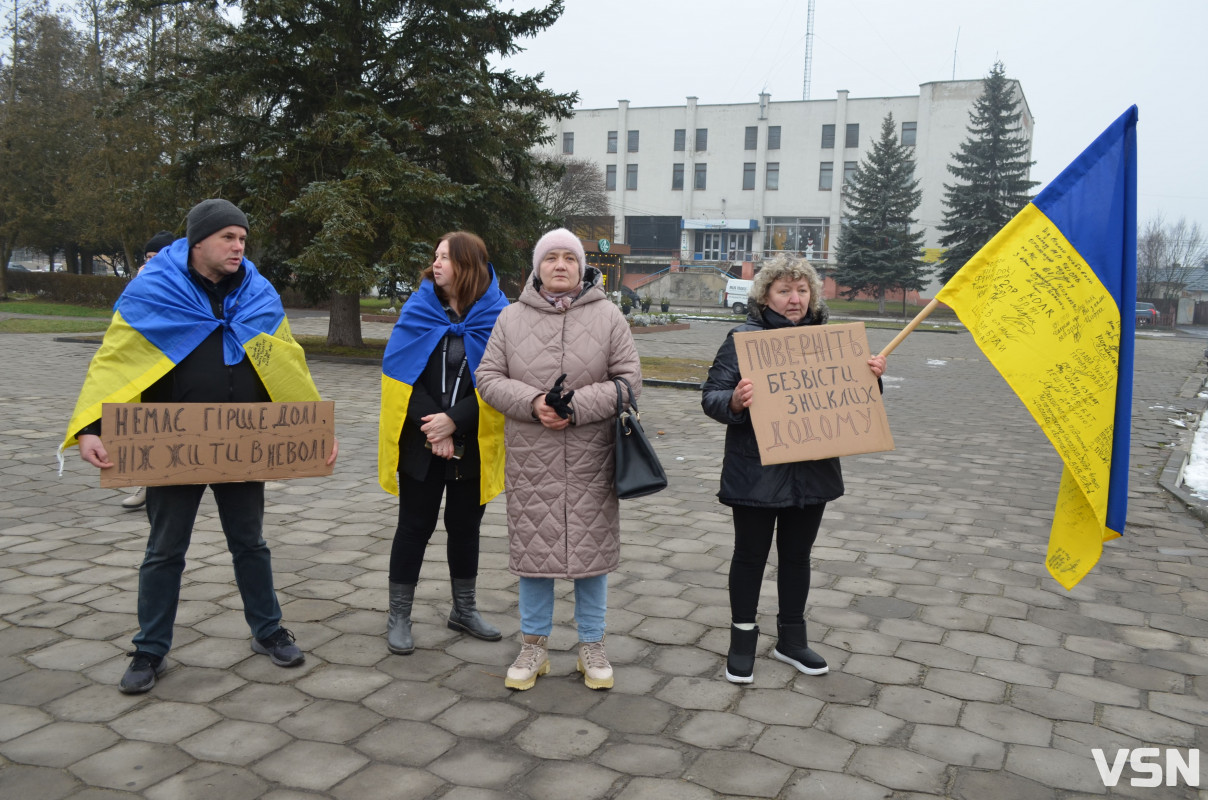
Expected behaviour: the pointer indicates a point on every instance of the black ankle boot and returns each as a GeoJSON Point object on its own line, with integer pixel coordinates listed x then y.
{"type": "Point", "coordinates": [740, 663]}
{"type": "Point", "coordinates": [465, 617]}
{"type": "Point", "coordinates": [792, 649]}
{"type": "Point", "coordinates": [398, 623]}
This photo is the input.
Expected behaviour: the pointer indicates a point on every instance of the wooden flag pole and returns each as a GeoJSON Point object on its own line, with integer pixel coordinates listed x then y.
{"type": "Point", "coordinates": [914, 323]}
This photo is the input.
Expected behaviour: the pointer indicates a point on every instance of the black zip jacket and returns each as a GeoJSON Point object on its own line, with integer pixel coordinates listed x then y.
{"type": "Point", "coordinates": [744, 480]}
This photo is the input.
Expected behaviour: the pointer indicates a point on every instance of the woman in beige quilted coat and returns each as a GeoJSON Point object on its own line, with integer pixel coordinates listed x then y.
{"type": "Point", "coordinates": [562, 509]}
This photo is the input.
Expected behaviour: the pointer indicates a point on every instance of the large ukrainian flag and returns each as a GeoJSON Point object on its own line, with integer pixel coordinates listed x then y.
{"type": "Point", "coordinates": [421, 325]}
{"type": "Point", "coordinates": [1050, 302]}
{"type": "Point", "coordinates": [163, 315]}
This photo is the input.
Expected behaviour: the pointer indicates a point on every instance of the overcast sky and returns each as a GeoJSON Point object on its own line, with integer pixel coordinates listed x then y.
{"type": "Point", "coordinates": [1081, 64]}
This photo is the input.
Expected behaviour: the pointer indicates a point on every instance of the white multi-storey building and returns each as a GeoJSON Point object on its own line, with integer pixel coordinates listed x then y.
{"type": "Point", "coordinates": [725, 185]}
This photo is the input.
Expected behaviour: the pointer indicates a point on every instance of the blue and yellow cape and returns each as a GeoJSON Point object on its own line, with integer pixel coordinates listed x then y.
{"type": "Point", "coordinates": [421, 325]}
{"type": "Point", "coordinates": [163, 315]}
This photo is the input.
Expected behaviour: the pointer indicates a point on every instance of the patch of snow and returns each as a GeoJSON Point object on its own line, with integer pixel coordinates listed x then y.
{"type": "Point", "coordinates": [1195, 474]}
{"type": "Point", "coordinates": [936, 362]}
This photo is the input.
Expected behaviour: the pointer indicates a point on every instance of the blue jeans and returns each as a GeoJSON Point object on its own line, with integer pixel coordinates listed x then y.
{"type": "Point", "coordinates": [537, 606]}
{"type": "Point", "coordinates": [172, 510]}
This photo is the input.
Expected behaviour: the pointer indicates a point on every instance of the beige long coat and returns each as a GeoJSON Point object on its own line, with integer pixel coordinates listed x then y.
{"type": "Point", "coordinates": [562, 508]}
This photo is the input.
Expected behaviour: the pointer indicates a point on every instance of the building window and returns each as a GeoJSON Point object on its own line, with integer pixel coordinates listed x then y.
{"type": "Point", "coordinates": [680, 135]}
{"type": "Point", "coordinates": [699, 176]}
{"type": "Point", "coordinates": [631, 177]}
{"type": "Point", "coordinates": [806, 236]}
{"type": "Point", "coordinates": [748, 175]}
{"type": "Point", "coordinates": [610, 178]}
{"type": "Point", "coordinates": [773, 137]}
{"type": "Point", "coordinates": [773, 178]}
{"type": "Point", "coordinates": [853, 135]}
{"type": "Point", "coordinates": [633, 142]}
{"type": "Point", "coordinates": [568, 143]}
{"type": "Point", "coordinates": [721, 245]}
{"type": "Point", "coordinates": [702, 139]}
{"type": "Point", "coordinates": [849, 169]}
{"type": "Point", "coordinates": [677, 177]}
{"type": "Point", "coordinates": [655, 236]}
{"type": "Point", "coordinates": [612, 141]}
{"type": "Point", "coordinates": [828, 137]}
{"type": "Point", "coordinates": [738, 246]}
{"type": "Point", "coordinates": [826, 176]}
{"type": "Point", "coordinates": [909, 132]}
{"type": "Point", "coordinates": [751, 139]}
{"type": "Point", "coordinates": [708, 245]}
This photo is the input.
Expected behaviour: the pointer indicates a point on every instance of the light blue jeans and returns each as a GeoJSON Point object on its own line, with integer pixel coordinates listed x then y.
{"type": "Point", "coordinates": [537, 606]}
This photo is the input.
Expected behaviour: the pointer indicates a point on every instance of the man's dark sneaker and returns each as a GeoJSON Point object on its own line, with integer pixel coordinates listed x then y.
{"type": "Point", "coordinates": [140, 675]}
{"type": "Point", "coordinates": [280, 647]}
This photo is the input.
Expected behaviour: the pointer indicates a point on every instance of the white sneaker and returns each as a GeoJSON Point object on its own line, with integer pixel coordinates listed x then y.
{"type": "Point", "coordinates": [593, 663]}
{"type": "Point", "coordinates": [532, 662]}
{"type": "Point", "coordinates": [136, 500]}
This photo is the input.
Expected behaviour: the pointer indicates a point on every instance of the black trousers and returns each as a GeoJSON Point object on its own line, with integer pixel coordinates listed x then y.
{"type": "Point", "coordinates": [795, 530]}
{"type": "Point", "coordinates": [418, 511]}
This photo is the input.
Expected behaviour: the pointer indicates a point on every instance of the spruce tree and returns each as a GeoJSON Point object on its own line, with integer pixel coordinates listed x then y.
{"type": "Point", "coordinates": [992, 169]}
{"type": "Point", "coordinates": [877, 250]}
{"type": "Point", "coordinates": [356, 133]}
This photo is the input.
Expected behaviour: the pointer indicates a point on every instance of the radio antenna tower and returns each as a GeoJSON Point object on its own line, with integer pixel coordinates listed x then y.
{"type": "Point", "coordinates": [809, 50]}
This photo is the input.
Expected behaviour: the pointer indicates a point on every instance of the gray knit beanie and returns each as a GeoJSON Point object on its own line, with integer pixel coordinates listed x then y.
{"type": "Point", "coordinates": [210, 216]}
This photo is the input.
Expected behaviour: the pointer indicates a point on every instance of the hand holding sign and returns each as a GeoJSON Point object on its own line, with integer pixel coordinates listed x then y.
{"type": "Point", "coordinates": [814, 392]}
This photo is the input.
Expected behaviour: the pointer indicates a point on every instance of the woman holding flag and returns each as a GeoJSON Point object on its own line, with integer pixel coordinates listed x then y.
{"type": "Point", "coordinates": [436, 437]}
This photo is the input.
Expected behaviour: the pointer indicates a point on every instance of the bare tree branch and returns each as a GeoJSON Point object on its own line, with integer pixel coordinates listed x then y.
{"type": "Point", "coordinates": [576, 190]}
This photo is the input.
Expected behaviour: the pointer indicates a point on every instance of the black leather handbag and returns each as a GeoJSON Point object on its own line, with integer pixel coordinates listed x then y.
{"type": "Point", "coordinates": [638, 471]}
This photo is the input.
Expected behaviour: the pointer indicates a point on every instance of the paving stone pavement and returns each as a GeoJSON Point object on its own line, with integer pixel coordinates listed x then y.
{"type": "Point", "coordinates": [959, 668]}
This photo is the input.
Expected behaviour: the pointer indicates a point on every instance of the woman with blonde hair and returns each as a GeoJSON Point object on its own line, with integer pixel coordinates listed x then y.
{"type": "Point", "coordinates": [786, 500]}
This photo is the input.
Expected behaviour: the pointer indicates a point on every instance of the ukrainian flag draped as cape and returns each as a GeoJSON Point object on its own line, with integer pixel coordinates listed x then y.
{"type": "Point", "coordinates": [163, 315]}
{"type": "Point", "coordinates": [1050, 301]}
{"type": "Point", "coordinates": [421, 325]}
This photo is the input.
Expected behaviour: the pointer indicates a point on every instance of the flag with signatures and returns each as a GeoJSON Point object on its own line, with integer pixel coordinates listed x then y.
{"type": "Point", "coordinates": [1049, 300]}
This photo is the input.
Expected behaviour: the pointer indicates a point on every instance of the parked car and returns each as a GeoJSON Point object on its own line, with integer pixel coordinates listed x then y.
{"type": "Point", "coordinates": [1147, 314]}
{"type": "Point", "coordinates": [16, 268]}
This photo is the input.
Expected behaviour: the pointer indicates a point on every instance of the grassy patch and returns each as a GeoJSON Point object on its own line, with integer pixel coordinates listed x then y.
{"type": "Point", "coordinates": [674, 369]}
{"type": "Point", "coordinates": [666, 369]}
{"type": "Point", "coordinates": [317, 345]}
{"type": "Point", "coordinates": [18, 304]}
{"type": "Point", "coordinates": [52, 325]}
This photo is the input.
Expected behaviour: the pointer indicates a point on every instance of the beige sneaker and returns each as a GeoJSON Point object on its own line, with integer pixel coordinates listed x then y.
{"type": "Point", "coordinates": [136, 500]}
{"type": "Point", "coordinates": [593, 663]}
{"type": "Point", "coordinates": [532, 662]}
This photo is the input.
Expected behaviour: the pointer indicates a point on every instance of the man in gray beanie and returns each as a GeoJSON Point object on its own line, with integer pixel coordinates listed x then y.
{"type": "Point", "coordinates": [214, 302]}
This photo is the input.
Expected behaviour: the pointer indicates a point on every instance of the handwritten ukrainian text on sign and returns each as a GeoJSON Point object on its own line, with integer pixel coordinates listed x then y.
{"type": "Point", "coordinates": [157, 444]}
{"type": "Point", "coordinates": [815, 396]}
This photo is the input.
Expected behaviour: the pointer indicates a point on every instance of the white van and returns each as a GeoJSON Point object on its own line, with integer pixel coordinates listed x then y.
{"type": "Point", "coordinates": [735, 297]}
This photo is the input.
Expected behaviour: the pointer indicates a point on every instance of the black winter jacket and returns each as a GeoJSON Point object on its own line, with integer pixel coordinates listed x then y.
{"type": "Point", "coordinates": [428, 396]}
{"type": "Point", "coordinates": [202, 376]}
{"type": "Point", "coordinates": [745, 481]}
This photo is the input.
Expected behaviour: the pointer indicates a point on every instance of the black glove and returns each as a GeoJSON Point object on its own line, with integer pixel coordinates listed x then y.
{"type": "Point", "coordinates": [558, 401]}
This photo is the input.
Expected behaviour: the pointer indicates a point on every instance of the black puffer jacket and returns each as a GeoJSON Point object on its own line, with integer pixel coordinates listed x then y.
{"type": "Point", "coordinates": [744, 480]}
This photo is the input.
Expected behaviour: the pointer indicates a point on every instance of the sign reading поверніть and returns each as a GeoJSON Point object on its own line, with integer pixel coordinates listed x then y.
{"type": "Point", "coordinates": [157, 444]}
{"type": "Point", "coordinates": [815, 396]}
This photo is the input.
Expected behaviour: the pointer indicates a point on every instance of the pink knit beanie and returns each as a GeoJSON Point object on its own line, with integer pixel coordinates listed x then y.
{"type": "Point", "coordinates": [559, 239]}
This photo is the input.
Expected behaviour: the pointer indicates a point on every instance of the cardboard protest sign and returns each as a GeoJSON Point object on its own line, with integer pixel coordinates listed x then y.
{"type": "Point", "coordinates": [158, 444]}
{"type": "Point", "coordinates": [815, 396]}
